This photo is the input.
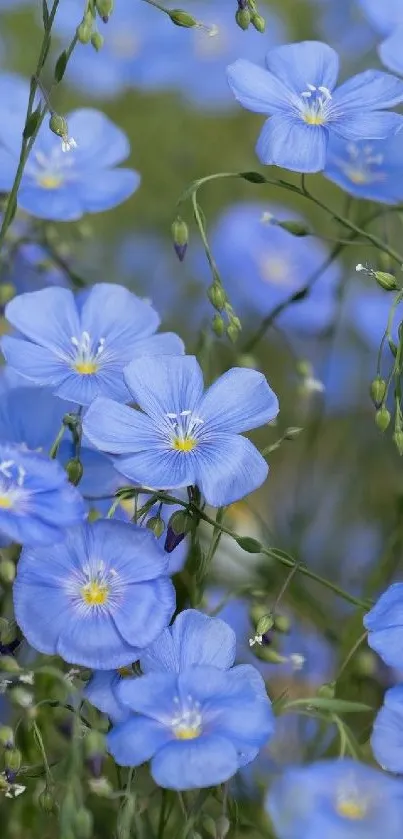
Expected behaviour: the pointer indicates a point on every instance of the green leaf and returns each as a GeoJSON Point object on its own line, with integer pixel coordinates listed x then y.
{"type": "Point", "coordinates": [253, 177]}
{"type": "Point", "coordinates": [251, 546]}
{"type": "Point", "coordinates": [60, 67]}
{"type": "Point", "coordinates": [335, 706]}
{"type": "Point", "coordinates": [32, 123]}
{"type": "Point", "coordinates": [45, 14]}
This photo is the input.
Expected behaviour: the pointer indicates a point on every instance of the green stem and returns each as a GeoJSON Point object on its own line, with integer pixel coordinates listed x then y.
{"type": "Point", "coordinates": [162, 819]}
{"type": "Point", "coordinates": [39, 741]}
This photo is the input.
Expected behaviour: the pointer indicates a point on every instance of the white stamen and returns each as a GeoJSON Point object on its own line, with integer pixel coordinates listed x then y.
{"type": "Point", "coordinates": [68, 143]}
{"type": "Point", "coordinates": [297, 660]}
{"type": "Point", "coordinates": [258, 639]}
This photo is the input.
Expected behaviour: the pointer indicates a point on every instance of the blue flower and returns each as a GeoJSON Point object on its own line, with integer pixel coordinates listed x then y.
{"type": "Point", "coordinates": [262, 265]}
{"type": "Point", "coordinates": [384, 623]}
{"type": "Point", "coordinates": [36, 501]}
{"type": "Point", "coordinates": [182, 436]}
{"type": "Point", "coordinates": [28, 268]}
{"type": "Point", "coordinates": [368, 312]}
{"type": "Point", "coordinates": [297, 91]}
{"type": "Point", "coordinates": [101, 691]}
{"type": "Point", "coordinates": [387, 734]}
{"type": "Point", "coordinates": [64, 186]}
{"type": "Point", "coordinates": [336, 799]}
{"type": "Point", "coordinates": [98, 598]}
{"type": "Point", "coordinates": [387, 19]}
{"type": "Point", "coordinates": [370, 170]}
{"type": "Point", "coordinates": [343, 25]}
{"type": "Point", "coordinates": [196, 719]}
{"type": "Point", "coordinates": [79, 346]}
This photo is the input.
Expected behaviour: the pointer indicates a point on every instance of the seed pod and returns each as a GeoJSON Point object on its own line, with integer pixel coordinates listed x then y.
{"type": "Point", "coordinates": [385, 280]}
{"type": "Point", "coordinates": [12, 760]}
{"type": "Point", "coordinates": [181, 18]}
{"type": "Point", "coordinates": [382, 418]}
{"type": "Point", "coordinates": [378, 391]}
{"type": "Point", "coordinates": [243, 18]}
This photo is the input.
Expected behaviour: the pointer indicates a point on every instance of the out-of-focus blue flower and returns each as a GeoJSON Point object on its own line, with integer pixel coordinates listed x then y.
{"type": "Point", "coordinates": [262, 265]}
{"type": "Point", "coordinates": [79, 345]}
{"type": "Point", "coordinates": [367, 169]}
{"type": "Point", "coordinates": [144, 49]}
{"type": "Point", "coordinates": [298, 92]}
{"type": "Point", "coordinates": [343, 25]}
{"type": "Point", "coordinates": [387, 19]}
{"type": "Point", "coordinates": [384, 623]}
{"type": "Point", "coordinates": [60, 185]}
{"type": "Point", "coordinates": [368, 312]}
{"type": "Point", "coordinates": [28, 268]}
{"type": "Point", "coordinates": [183, 436]}
{"type": "Point", "coordinates": [336, 799]}
{"type": "Point", "coordinates": [198, 724]}
{"type": "Point", "coordinates": [37, 503]}
{"type": "Point", "coordinates": [97, 598]}
{"type": "Point", "coordinates": [387, 734]}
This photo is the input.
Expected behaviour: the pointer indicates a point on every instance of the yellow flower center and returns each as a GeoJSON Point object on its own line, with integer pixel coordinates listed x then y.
{"type": "Point", "coordinates": [314, 119]}
{"type": "Point", "coordinates": [186, 444]}
{"type": "Point", "coordinates": [95, 593]}
{"type": "Point", "coordinates": [50, 181]}
{"type": "Point", "coordinates": [188, 733]}
{"type": "Point", "coordinates": [124, 672]}
{"type": "Point", "coordinates": [86, 368]}
{"type": "Point", "coordinates": [351, 808]}
{"type": "Point", "coordinates": [358, 176]}
{"type": "Point", "coordinates": [275, 270]}
{"type": "Point", "coordinates": [5, 502]}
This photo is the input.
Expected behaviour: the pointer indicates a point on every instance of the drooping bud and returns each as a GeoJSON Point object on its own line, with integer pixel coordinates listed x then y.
{"type": "Point", "coordinates": [233, 332]}
{"type": "Point", "coordinates": [74, 469]}
{"type": "Point", "coordinates": [265, 624]}
{"type": "Point", "coordinates": [243, 18]}
{"type": "Point", "coordinates": [385, 280]}
{"type": "Point", "coordinates": [104, 9]}
{"type": "Point", "coordinates": [83, 823]}
{"type": "Point", "coordinates": [84, 30]}
{"type": "Point", "coordinates": [12, 760]}
{"type": "Point", "coordinates": [58, 125]}
{"type": "Point", "coordinates": [217, 296]}
{"type": "Point", "coordinates": [95, 750]}
{"type": "Point", "coordinates": [7, 571]}
{"type": "Point", "coordinates": [270, 655]}
{"type": "Point", "coordinates": [46, 801]}
{"type": "Point", "coordinates": [157, 525]}
{"type": "Point", "coordinates": [181, 18]}
{"type": "Point", "coordinates": [327, 691]}
{"type": "Point", "coordinates": [382, 418]}
{"type": "Point", "coordinates": [223, 825]}
{"type": "Point", "coordinates": [260, 25]}
{"type": "Point", "coordinates": [296, 228]}
{"type": "Point", "coordinates": [282, 623]}
{"type": "Point", "coordinates": [180, 235]}
{"type": "Point", "coordinates": [398, 440]}
{"type": "Point", "coordinates": [378, 391]}
{"type": "Point", "coordinates": [179, 525]}
{"type": "Point", "coordinates": [97, 41]}
{"type": "Point", "coordinates": [218, 325]}
{"type": "Point", "coordinates": [8, 664]}
{"type": "Point", "coordinates": [6, 736]}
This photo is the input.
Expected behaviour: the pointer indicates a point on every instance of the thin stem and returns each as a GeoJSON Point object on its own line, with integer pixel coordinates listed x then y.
{"type": "Point", "coordinates": [162, 819]}
{"type": "Point", "coordinates": [351, 654]}
{"type": "Point", "coordinates": [39, 741]}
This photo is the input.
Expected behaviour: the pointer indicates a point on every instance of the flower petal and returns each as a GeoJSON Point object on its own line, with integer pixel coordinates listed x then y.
{"type": "Point", "coordinates": [41, 612]}
{"type": "Point", "coordinates": [165, 343]}
{"type": "Point", "coordinates": [60, 204]}
{"type": "Point", "coordinates": [116, 428]}
{"type": "Point", "coordinates": [194, 764]}
{"type": "Point", "coordinates": [152, 695]}
{"type": "Point", "coordinates": [99, 141]}
{"type": "Point", "coordinates": [100, 692]}
{"type": "Point", "coordinates": [144, 611]}
{"type": "Point", "coordinates": [38, 364]}
{"type": "Point", "coordinates": [367, 91]}
{"type": "Point", "coordinates": [98, 193]}
{"type": "Point", "coordinates": [308, 62]}
{"type": "Point", "coordinates": [257, 89]}
{"type": "Point", "coordinates": [229, 468]}
{"type": "Point", "coordinates": [373, 125]}
{"type": "Point", "coordinates": [136, 740]}
{"type": "Point", "coordinates": [292, 144]}
{"type": "Point", "coordinates": [390, 50]}
{"type": "Point", "coordinates": [193, 639]}
{"type": "Point", "coordinates": [164, 384]}
{"type": "Point", "coordinates": [239, 400]}
{"type": "Point", "coordinates": [133, 551]}
{"type": "Point", "coordinates": [91, 639]}
{"type": "Point", "coordinates": [159, 467]}
{"type": "Point", "coordinates": [112, 312]}
{"type": "Point", "coordinates": [47, 317]}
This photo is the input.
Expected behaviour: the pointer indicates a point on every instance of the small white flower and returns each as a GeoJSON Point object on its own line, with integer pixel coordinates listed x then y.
{"type": "Point", "coordinates": [27, 679]}
{"type": "Point", "coordinates": [297, 660]}
{"type": "Point", "coordinates": [68, 143]}
{"type": "Point", "coordinates": [360, 267]}
{"type": "Point", "coordinates": [258, 639]}
{"type": "Point", "coordinates": [313, 385]}
{"type": "Point", "coordinates": [266, 217]}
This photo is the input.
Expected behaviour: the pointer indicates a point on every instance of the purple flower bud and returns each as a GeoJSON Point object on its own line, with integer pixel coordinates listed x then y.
{"type": "Point", "coordinates": [172, 540]}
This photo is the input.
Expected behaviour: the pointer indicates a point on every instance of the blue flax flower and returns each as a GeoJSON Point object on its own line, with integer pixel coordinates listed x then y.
{"type": "Point", "coordinates": [387, 734]}
{"type": "Point", "coordinates": [63, 186]}
{"type": "Point", "coordinates": [343, 24]}
{"type": "Point", "coordinates": [262, 265]}
{"type": "Point", "coordinates": [387, 19]}
{"type": "Point", "coordinates": [384, 623]}
{"type": "Point", "coordinates": [79, 345]}
{"type": "Point", "coordinates": [367, 169]}
{"type": "Point", "coordinates": [197, 719]}
{"type": "Point", "coordinates": [36, 501]}
{"type": "Point", "coordinates": [183, 436]}
{"type": "Point", "coordinates": [98, 598]}
{"type": "Point", "coordinates": [298, 92]}
{"type": "Point", "coordinates": [336, 799]}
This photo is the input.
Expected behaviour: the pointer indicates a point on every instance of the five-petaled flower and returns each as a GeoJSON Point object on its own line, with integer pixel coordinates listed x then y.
{"type": "Point", "coordinates": [298, 92]}
{"type": "Point", "coordinates": [183, 436]}
{"type": "Point", "coordinates": [79, 345]}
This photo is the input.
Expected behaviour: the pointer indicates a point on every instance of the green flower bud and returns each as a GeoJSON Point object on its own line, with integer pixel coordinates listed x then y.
{"type": "Point", "coordinates": [247, 360]}
{"type": "Point", "coordinates": [74, 469]}
{"type": "Point", "coordinates": [366, 663]}
{"type": "Point", "coordinates": [233, 332]}
{"type": "Point", "coordinates": [181, 18]}
{"type": "Point", "coordinates": [47, 801]}
{"type": "Point", "coordinates": [296, 228]}
{"type": "Point", "coordinates": [83, 823]}
{"type": "Point", "coordinates": [6, 736]}
{"type": "Point", "coordinates": [7, 292]}
{"type": "Point", "coordinates": [7, 631]}
{"type": "Point", "coordinates": [21, 697]}
{"type": "Point", "coordinates": [217, 296]}
{"type": "Point", "coordinates": [209, 826]}
{"type": "Point", "coordinates": [265, 624]}
{"type": "Point", "coordinates": [8, 664]}
{"type": "Point", "coordinates": [218, 325]}
{"type": "Point", "coordinates": [12, 760]}
{"type": "Point", "coordinates": [260, 24]}
{"type": "Point", "coordinates": [282, 623]}
{"type": "Point", "coordinates": [84, 32]}
{"type": "Point", "coordinates": [104, 9]}
{"type": "Point", "coordinates": [94, 744]}
{"type": "Point", "coordinates": [385, 280]}
{"type": "Point", "coordinates": [243, 18]}
{"type": "Point", "coordinates": [97, 41]}
{"type": "Point", "coordinates": [180, 235]}
{"type": "Point", "coordinates": [223, 826]}
{"type": "Point", "coordinates": [180, 522]}
{"type": "Point", "coordinates": [378, 391]}
{"type": "Point", "coordinates": [382, 418]}
{"type": "Point", "coordinates": [7, 571]}
{"type": "Point", "coordinates": [157, 525]}
{"type": "Point", "coordinates": [327, 691]}
{"type": "Point", "coordinates": [269, 655]}
{"type": "Point", "coordinates": [257, 612]}
{"type": "Point", "coordinates": [398, 440]}
{"type": "Point", "coordinates": [58, 125]}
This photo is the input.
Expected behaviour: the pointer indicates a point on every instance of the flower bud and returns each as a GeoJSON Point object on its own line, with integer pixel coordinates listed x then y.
{"type": "Point", "coordinates": [366, 663]}
{"type": "Point", "coordinates": [47, 801]}
{"type": "Point", "coordinates": [7, 632]}
{"type": "Point", "coordinates": [101, 787]}
{"type": "Point", "coordinates": [398, 440]}
{"type": "Point", "coordinates": [260, 25]}
{"type": "Point", "coordinates": [223, 825]}
{"type": "Point", "coordinates": [104, 9]}
{"type": "Point", "coordinates": [378, 391]}
{"type": "Point", "coordinates": [12, 760]}
{"type": "Point", "coordinates": [74, 469]}
{"type": "Point", "coordinates": [180, 235]}
{"type": "Point", "coordinates": [7, 292]}
{"type": "Point", "coordinates": [217, 296]}
{"type": "Point", "coordinates": [209, 826]}
{"type": "Point", "coordinates": [243, 18]}
{"type": "Point", "coordinates": [97, 41]}
{"type": "Point", "coordinates": [58, 125]}
{"type": "Point", "coordinates": [382, 418]}
{"type": "Point", "coordinates": [83, 823]}
{"type": "Point", "coordinates": [157, 525]}
{"type": "Point", "coordinates": [248, 360]}
{"type": "Point", "coordinates": [270, 655]}
{"type": "Point", "coordinates": [265, 624]}
{"type": "Point", "coordinates": [179, 525]}
{"type": "Point", "coordinates": [181, 18]}
{"type": "Point", "coordinates": [233, 332]}
{"type": "Point", "coordinates": [248, 544]}
{"type": "Point", "coordinates": [282, 623]}
{"type": "Point", "coordinates": [8, 664]}
{"type": "Point", "coordinates": [218, 325]}
{"type": "Point", "coordinates": [327, 691]}
{"type": "Point", "coordinates": [7, 571]}
{"type": "Point", "coordinates": [385, 280]}
{"type": "Point", "coordinates": [6, 737]}
{"type": "Point", "coordinates": [296, 228]}
{"type": "Point", "coordinates": [84, 31]}
{"type": "Point", "coordinates": [392, 347]}
{"type": "Point", "coordinates": [21, 697]}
